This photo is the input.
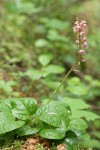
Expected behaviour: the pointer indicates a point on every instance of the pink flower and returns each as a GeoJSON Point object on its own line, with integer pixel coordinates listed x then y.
{"type": "Point", "coordinates": [84, 25]}
{"type": "Point", "coordinates": [74, 29]}
{"type": "Point", "coordinates": [82, 33]}
{"type": "Point", "coordinates": [84, 39]}
{"type": "Point", "coordinates": [77, 27]}
{"type": "Point", "coordinates": [76, 23]}
{"type": "Point", "coordinates": [81, 52]}
{"type": "Point", "coordinates": [85, 44]}
{"type": "Point", "coordinates": [83, 22]}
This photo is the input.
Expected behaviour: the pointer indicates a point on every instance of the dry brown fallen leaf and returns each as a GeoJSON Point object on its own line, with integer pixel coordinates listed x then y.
{"type": "Point", "coordinates": [61, 147]}
{"type": "Point", "coordinates": [32, 141]}
{"type": "Point", "coordinates": [30, 144]}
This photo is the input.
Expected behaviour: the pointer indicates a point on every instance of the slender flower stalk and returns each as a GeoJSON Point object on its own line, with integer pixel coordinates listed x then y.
{"type": "Point", "coordinates": [64, 80]}
{"type": "Point", "coordinates": [79, 29]}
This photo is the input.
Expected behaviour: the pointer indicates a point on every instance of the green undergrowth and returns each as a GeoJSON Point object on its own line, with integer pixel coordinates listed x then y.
{"type": "Point", "coordinates": [58, 121]}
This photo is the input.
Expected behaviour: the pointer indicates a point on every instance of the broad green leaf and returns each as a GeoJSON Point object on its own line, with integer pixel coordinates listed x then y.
{"type": "Point", "coordinates": [70, 140]}
{"type": "Point", "coordinates": [8, 123]}
{"type": "Point", "coordinates": [23, 108]}
{"type": "Point", "coordinates": [27, 130]}
{"type": "Point", "coordinates": [76, 106]}
{"type": "Point", "coordinates": [45, 59]}
{"type": "Point", "coordinates": [78, 124]}
{"type": "Point", "coordinates": [53, 114]}
{"type": "Point", "coordinates": [54, 69]}
{"type": "Point", "coordinates": [30, 104]}
{"type": "Point", "coordinates": [51, 132]}
{"type": "Point", "coordinates": [88, 115]}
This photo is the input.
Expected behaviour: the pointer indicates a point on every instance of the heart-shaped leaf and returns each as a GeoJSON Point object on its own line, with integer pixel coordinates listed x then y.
{"type": "Point", "coordinates": [53, 114]}
{"type": "Point", "coordinates": [71, 141]}
{"type": "Point", "coordinates": [51, 132]}
{"type": "Point", "coordinates": [23, 108]}
{"type": "Point", "coordinates": [8, 123]}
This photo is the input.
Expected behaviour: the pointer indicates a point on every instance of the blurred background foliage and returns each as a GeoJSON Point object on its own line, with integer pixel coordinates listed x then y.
{"type": "Point", "coordinates": [37, 48]}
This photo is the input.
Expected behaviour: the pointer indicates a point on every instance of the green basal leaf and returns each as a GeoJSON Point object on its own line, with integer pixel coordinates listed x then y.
{"type": "Point", "coordinates": [27, 130]}
{"type": "Point", "coordinates": [45, 59]}
{"type": "Point", "coordinates": [8, 123]}
{"type": "Point", "coordinates": [53, 114]}
{"type": "Point", "coordinates": [51, 132]}
{"type": "Point", "coordinates": [24, 108]}
{"type": "Point", "coordinates": [78, 124]}
{"type": "Point", "coordinates": [70, 140]}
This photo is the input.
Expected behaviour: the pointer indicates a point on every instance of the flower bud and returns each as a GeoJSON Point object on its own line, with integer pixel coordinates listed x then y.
{"type": "Point", "coordinates": [85, 44]}
{"type": "Point", "coordinates": [83, 22]}
{"type": "Point", "coordinates": [77, 27]}
{"type": "Point", "coordinates": [81, 52]}
{"type": "Point", "coordinates": [84, 39]}
{"type": "Point", "coordinates": [74, 29]}
{"type": "Point", "coordinates": [77, 41]}
{"type": "Point", "coordinates": [76, 23]}
{"type": "Point", "coordinates": [84, 25]}
{"type": "Point", "coordinates": [82, 33]}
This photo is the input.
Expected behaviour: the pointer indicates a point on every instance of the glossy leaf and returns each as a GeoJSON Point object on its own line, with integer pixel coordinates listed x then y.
{"type": "Point", "coordinates": [53, 114]}
{"type": "Point", "coordinates": [8, 123]}
{"type": "Point", "coordinates": [51, 132]}
{"type": "Point", "coordinates": [27, 130]}
{"type": "Point", "coordinates": [24, 108]}
{"type": "Point", "coordinates": [71, 141]}
{"type": "Point", "coordinates": [78, 124]}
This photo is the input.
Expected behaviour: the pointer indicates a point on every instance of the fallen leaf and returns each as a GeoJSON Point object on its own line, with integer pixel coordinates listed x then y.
{"type": "Point", "coordinates": [61, 147]}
